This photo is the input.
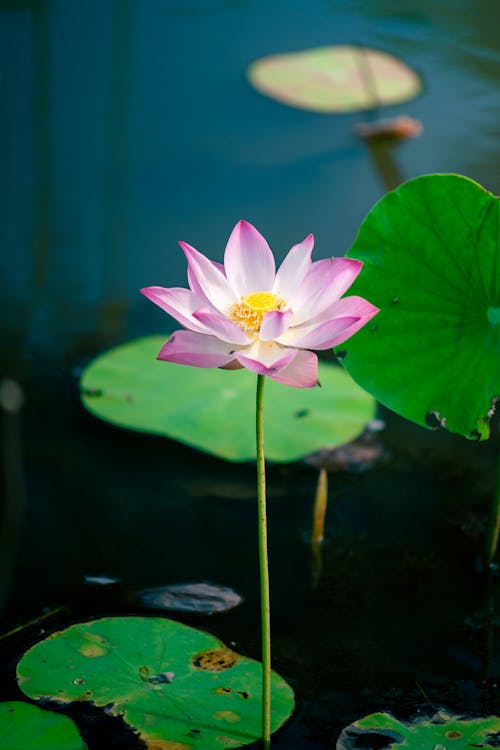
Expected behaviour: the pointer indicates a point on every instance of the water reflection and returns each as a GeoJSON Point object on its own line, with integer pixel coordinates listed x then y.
{"type": "Point", "coordinates": [116, 190]}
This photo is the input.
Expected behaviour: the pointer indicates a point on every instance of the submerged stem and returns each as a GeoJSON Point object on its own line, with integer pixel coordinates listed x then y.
{"type": "Point", "coordinates": [494, 527]}
{"type": "Point", "coordinates": [264, 568]}
{"type": "Point", "coordinates": [318, 524]}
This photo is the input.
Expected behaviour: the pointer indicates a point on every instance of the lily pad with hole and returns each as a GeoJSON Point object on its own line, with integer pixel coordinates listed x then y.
{"type": "Point", "coordinates": [431, 253]}
{"type": "Point", "coordinates": [27, 727]}
{"type": "Point", "coordinates": [342, 78]}
{"type": "Point", "coordinates": [442, 731]}
{"type": "Point", "coordinates": [172, 683]}
{"type": "Point", "coordinates": [214, 410]}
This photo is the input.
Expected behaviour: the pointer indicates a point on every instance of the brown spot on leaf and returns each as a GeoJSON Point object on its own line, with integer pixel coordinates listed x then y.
{"type": "Point", "coordinates": [453, 735]}
{"type": "Point", "coordinates": [229, 716]}
{"type": "Point", "coordinates": [215, 660]}
{"type": "Point", "coordinates": [94, 646]}
{"type": "Point", "coordinates": [229, 741]}
{"type": "Point", "coordinates": [93, 650]}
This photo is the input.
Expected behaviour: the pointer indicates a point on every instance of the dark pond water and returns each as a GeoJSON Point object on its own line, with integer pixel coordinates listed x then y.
{"type": "Point", "coordinates": [127, 126]}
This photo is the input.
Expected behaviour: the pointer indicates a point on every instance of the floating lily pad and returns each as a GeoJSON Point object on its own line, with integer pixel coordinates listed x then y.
{"type": "Point", "coordinates": [173, 684]}
{"type": "Point", "coordinates": [432, 265]}
{"type": "Point", "coordinates": [27, 727]}
{"type": "Point", "coordinates": [214, 410]}
{"type": "Point", "coordinates": [199, 598]}
{"type": "Point", "coordinates": [440, 732]}
{"type": "Point", "coordinates": [335, 79]}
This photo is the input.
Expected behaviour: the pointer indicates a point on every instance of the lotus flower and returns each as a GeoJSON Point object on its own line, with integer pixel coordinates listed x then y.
{"type": "Point", "coordinates": [245, 314]}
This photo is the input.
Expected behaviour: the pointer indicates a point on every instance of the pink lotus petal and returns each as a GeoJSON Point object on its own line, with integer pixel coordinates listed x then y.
{"type": "Point", "coordinates": [347, 306]}
{"type": "Point", "coordinates": [302, 372]}
{"type": "Point", "coordinates": [195, 286]}
{"type": "Point", "coordinates": [313, 294]}
{"type": "Point", "coordinates": [222, 327]}
{"type": "Point", "coordinates": [313, 315]}
{"type": "Point", "coordinates": [323, 285]}
{"type": "Point", "coordinates": [177, 302]}
{"type": "Point", "coordinates": [318, 335]}
{"type": "Point", "coordinates": [354, 305]}
{"type": "Point", "coordinates": [248, 261]}
{"type": "Point", "coordinates": [265, 358]}
{"type": "Point", "coordinates": [207, 278]}
{"type": "Point", "coordinates": [348, 332]}
{"type": "Point", "coordinates": [295, 266]}
{"type": "Point", "coordinates": [196, 349]}
{"type": "Point", "coordinates": [274, 324]}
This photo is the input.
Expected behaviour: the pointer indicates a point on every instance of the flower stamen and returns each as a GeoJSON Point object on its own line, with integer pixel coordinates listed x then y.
{"type": "Point", "coordinates": [250, 311]}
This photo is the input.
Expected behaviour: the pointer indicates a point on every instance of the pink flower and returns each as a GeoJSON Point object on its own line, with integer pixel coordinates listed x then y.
{"type": "Point", "coordinates": [245, 314]}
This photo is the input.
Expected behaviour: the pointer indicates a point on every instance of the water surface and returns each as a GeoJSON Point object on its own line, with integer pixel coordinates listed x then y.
{"type": "Point", "coordinates": [128, 126]}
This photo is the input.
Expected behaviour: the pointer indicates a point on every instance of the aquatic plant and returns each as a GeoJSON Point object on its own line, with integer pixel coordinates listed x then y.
{"type": "Point", "coordinates": [176, 686]}
{"type": "Point", "coordinates": [125, 386]}
{"type": "Point", "coordinates": [245, 314]}
{"type": "Point", "coordinates": [29, 727]}
{"type": "Point", "coordinates": [440, 731]}
{"type": "Point", "coordinates": [432, 265]}
{"type": "Point", "coordinates": [338, 78]}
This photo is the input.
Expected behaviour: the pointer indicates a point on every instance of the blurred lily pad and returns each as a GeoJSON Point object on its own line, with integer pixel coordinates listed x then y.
{"type": "Point", "coordinates": [214, 410]}
{"type": "Point", "coordinates": [27, 727]}
{"type": "Point", "coordinates": [198, 598]}
{"type": "Point", "coordinates": [431, 256]}
{"type": "Point", "coordinates": [339, 78]}
{"type": "Point", "coordinates": [440, 732]}
{"type": "Point", "coordinates": [173, 684]}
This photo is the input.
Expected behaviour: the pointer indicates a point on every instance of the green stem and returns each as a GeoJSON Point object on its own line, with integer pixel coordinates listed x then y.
{"type": "Point", "coordinates": [264, 568]}
{"type": "Point", "coordinates": [494, 527]}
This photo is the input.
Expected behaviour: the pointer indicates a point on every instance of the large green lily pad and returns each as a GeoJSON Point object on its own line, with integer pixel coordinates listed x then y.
{"type": "Point", "coordinates": [432, 265]}
{"type": "Point", "coordinates": [27, 727]}
{"type": "Point", "coordinates": [440, 732]}
{"type": "Point", "coordinates": [335, 79]}
{"type": "Point", "coordinates": [214, 410]}
{"type": "Point", "coordinates": [174, 684]}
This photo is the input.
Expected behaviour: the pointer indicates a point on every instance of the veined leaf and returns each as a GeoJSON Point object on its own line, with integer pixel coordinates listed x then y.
{"type": "Point", "coordinates": [431, 252]}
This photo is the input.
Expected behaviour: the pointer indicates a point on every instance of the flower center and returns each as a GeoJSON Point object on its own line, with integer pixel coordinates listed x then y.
{"type": "Point", "coordinates": [249, 312]}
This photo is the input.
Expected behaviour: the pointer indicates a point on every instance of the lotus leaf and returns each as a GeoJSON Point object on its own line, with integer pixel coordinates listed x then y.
{"type": "Point", "coordinates": [214, 410]}
{"type": "Point", "coordinates": [440, 732]}
{"type": "Point", "coordinates": [431, 255]}
{"type": "Point", "coordinates": [335, 79]}
{"type": "Point", "coordinates": [27, 727]}
{"type": "Point", "coordinates": [174, 684]}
